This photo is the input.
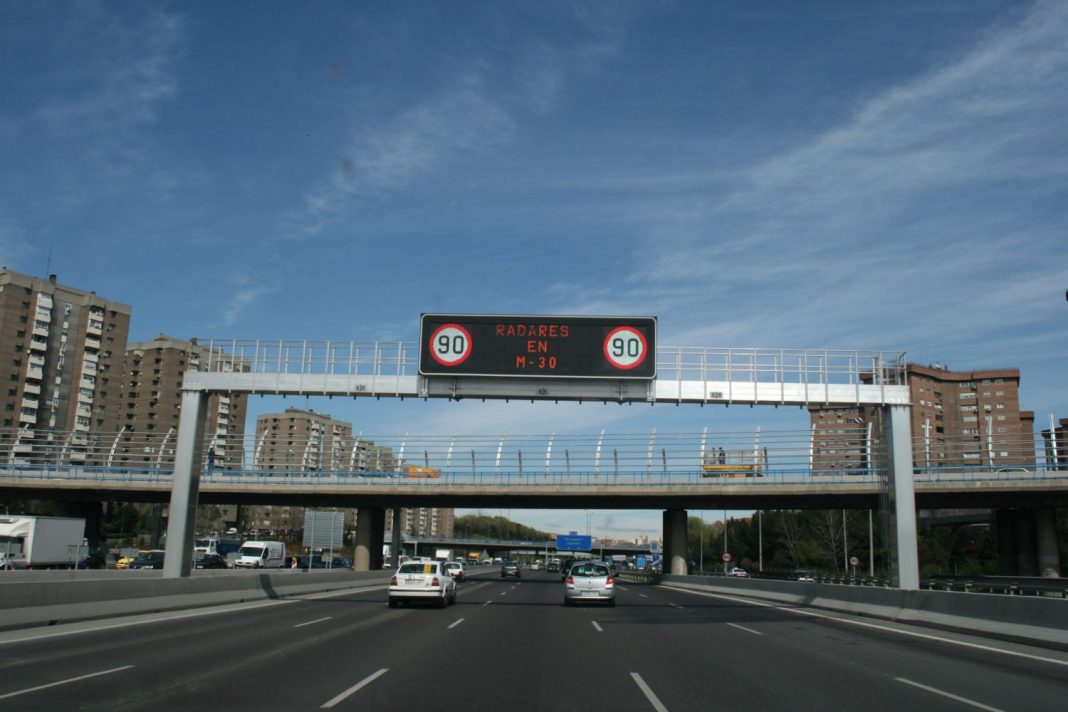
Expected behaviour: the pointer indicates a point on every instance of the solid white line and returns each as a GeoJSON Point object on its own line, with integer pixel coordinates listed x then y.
{"type": "Point", "coordinates": [653, 699]}
{"type": "Point", "coordinates": [747, 630]}
{"type": "Point", "coordinates": [597, 626]}
{"type": "Point", "coordinates": [936, 691]}
{"type": "Point", "coordinates": [355, 688]}
{"type": "Point", "coordinates": [64, 682]}
{"type": "Point", "coordinates": [456, 624]}
{"type": "Point", "coordinates": [161, 618]}
{"type": "Point", "coordinates": [862, 624]}
{"type": "Point", "coordinates": [317, 620]}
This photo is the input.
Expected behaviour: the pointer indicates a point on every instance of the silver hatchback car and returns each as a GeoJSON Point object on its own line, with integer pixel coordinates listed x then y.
{"type": "Point", "coordinates": [589, 582]}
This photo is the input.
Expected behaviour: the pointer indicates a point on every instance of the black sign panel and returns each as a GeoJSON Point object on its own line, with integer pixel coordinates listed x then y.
{"type": "Point", "coordinates": [537, 346]}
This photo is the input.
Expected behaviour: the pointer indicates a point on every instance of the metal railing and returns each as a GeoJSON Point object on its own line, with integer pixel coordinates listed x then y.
{"type": "Point", "coordinates": [843, 455]}
{"type": "Point", "coordinates": [401, 358]}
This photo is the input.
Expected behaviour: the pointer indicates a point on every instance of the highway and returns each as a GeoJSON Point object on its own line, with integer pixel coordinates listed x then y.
{"type": "Point", "coordinates": [511, 645]}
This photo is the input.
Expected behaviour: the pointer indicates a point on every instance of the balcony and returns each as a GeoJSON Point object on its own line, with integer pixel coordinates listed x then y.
{"type": "Point", "coordinates": [92, 342]}
{"type": "Point", "coordinates": [40, 329]}
{"type": "Point", "coordinates": [33, 371]}
{"type": "Point", "coordinates": [32, 388]}
{"type": "Point", "coordinates": [94, 327]}
{"type": "Point", "coordinates": [28, 418]}
{"type": "Point", "coordinates": [36, 345]}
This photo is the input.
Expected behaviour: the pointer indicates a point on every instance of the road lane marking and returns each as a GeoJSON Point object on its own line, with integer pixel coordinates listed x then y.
{"type": "Point", "coordinates": [81, 627]}
{"type": "Point", "coordinates": [649, 695]}
{"type": "Point", "coordinates": [355, 688]}
{"type": "Point", "coordinates": [65, 682]}
{"type": "Point", "coordinates": [888, 629]}
{"type": "Point", "coordinates": [643, 595]}
{"type": "Point", "coordinates": [747, 630]}
{"type": "Point", "coordinates": [503, 592]}
{"type": "Point", "coordinates": [936, 691]}
{"type": "Point", "coordinates": [317, 620]}
{"type": "Point", "coordinates": [597, 626]}
{"type": "Point", "coordinates": [487, 603]}
{"type": "Point", "coordinates": [622, 588]}
{"type": "Point", "coordinates": [456, 623]}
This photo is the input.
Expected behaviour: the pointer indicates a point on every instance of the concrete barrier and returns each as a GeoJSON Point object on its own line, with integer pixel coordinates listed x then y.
{"type": "Point", "coordinates": [1033, 620]}
{"type": "Point", "coordinates": [39, 601]}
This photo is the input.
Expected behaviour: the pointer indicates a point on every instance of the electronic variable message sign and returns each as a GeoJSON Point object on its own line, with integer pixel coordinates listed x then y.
{"type": "Point", "coordinates": [537, 346]}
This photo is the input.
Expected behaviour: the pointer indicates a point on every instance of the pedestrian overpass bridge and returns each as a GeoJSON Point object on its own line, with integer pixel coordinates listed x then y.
{"type": "Point", "coordinates": [702, 376]}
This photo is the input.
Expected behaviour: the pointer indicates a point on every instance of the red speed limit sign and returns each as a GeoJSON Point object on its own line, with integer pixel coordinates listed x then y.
{"type": "Point", "coordinates": [726, 557]}
{"type": "Point", "coordinates": [625, 347]}
{"type": "Point", "coordinates": [450, 344]}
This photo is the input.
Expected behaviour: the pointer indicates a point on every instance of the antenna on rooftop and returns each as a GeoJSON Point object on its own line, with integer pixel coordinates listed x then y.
{"type": "Point", "coordinates": [48, 264]}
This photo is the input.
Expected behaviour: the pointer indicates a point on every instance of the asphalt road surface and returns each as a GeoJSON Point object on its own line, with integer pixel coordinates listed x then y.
{"type": "Point", "coordinates": [511, 645]}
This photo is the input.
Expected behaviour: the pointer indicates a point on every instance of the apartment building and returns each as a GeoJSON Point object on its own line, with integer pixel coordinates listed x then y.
{"type": "Point", "coordinates": [425, 521]}
{"type": "Point", "coordinates": [61, 360]}
{"type": "Point", "coordinates": [1055, 444]}
{"type": "Point", "coordinates": [959, 419]}
{"type": "Point", "coordinates": [152, 401]}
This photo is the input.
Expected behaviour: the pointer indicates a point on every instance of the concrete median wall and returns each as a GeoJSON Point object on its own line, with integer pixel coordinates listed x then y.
{"type": "Point", "coordinates": [1027, 619]}
{"type": "Point", "coordinates": [39, 601]}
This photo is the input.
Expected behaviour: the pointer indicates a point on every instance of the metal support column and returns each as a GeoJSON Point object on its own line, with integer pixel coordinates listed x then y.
{"type": "Point", "coordinates": [902, 497]}
{"type": "Point", "coordinates": [1049, 559]}
{"type": "Point", "coordinates": [1005, 526]}
{"type": "Point", "coordinates": [181, 526]}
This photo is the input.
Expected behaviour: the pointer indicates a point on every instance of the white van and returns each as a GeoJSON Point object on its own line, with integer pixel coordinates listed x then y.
{"type": "Point", "coordinates": [261, 555]}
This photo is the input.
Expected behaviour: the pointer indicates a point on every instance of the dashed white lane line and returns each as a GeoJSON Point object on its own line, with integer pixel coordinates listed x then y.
{"type": "Point", "coordinates": [317, 620]}
{"type": "Point", "coordinates": [597, 626]}
{"type": "Point", "coordinates": [747, 630]}
{"type": "Point", "coordinates": [355, 688]}
{"type": "Point", "coordinates": [64, 682]}
{"type": "Point", "coordinates": [649, 694]}
{"type": "Point", "coordinates": [456, 623]}
{"type": "Point", "coordinates": [487, 603]}
{"type": "Point", "coordinates": [943, 693]}
{"type": "Point", "coordinates": [503, 592]}
{"type": "Point", "coordinates": [643, 595]}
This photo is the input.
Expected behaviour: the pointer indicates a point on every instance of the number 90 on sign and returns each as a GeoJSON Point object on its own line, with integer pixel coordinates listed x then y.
{"type": "Point", "coordinates": [625, 347]}
{"type": "Point", "coordinates": [450, 344]}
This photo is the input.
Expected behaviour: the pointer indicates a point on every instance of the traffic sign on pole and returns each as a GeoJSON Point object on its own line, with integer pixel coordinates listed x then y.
{"type": "Point", "coordinates": [726, 557]}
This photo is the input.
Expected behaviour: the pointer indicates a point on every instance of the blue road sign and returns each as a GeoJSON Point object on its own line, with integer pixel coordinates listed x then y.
{"type": "Point", "coordinates": [573, 542]}
{"type": "Point", "coordinates": [640, 563]}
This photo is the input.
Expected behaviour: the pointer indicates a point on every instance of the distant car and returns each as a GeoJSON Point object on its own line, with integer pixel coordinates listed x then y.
{"type": "Point", "coordinates": [210, 561]}
{"type": "Point", "coordinates": [94, 560]}
{"type": "Point", "coordinates": [536, 566]}
{"type": "Point", "coordinates": [422, 581]}
{"type": "Point", "coordinates": [455, 569]}
{"type": "Point", "coordinates": [739, 572]}
{"type": "Point", "coordinates": [553, 566]}
{"type": "Point", "coordinates": [588, 582]}
{"type": "Point", "coordinates": [339, 562]}
{"type": "Point", "coordinates": [148, 560]}
{"type": "Point", "coordinates": [510, 568]}
{"type": "Point", "coordinates": [804, 576]}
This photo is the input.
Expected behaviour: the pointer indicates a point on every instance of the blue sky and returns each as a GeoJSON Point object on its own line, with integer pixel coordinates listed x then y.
{"type": "Point", "coordinates": [785, 175]}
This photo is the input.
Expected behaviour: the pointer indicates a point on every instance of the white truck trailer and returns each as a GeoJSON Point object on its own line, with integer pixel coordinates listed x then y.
{"type": "Point", "coordinates": [41, 542]}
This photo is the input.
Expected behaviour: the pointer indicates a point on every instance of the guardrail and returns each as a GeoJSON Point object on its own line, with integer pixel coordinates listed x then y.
{"type": "Point", "coordinates": [1008, 585]}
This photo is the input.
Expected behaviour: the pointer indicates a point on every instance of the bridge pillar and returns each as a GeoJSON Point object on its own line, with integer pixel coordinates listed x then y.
{"type": "Point", "coordinates": [370, 536]}
{"type": "Point", "coordinates": [186, 486]}
{"type": "Point", "coordinates": [675, 542]}
{"type": "Point", "coordinates": [1005, 524]}
{"type": "Point", "coordinates": [1049, 559]}
{"type": "Point", "coordinates": [395, 542]}
{"type": "Point", "coordinates": [1025, 544]}
{"type": "Point", "coordinates": [902, 497]}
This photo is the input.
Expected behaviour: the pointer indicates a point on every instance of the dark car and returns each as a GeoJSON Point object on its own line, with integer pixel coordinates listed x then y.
{"type": "Point", "coordinates": [147, 560]}
{"type": "Point", "coordinates": [510, 568]}
{"type": "Point", "coordinates": [210, 561]}
{"type": "Point", "coordinates": [95, 560]}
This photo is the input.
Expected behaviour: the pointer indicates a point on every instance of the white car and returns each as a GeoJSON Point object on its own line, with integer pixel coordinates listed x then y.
{"type": "Point", "coordinates": [739, 572]}
{"type": "Point", "coordinates": [427, 581]}
{"type": "Point", "coordinates": [456, 570]}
